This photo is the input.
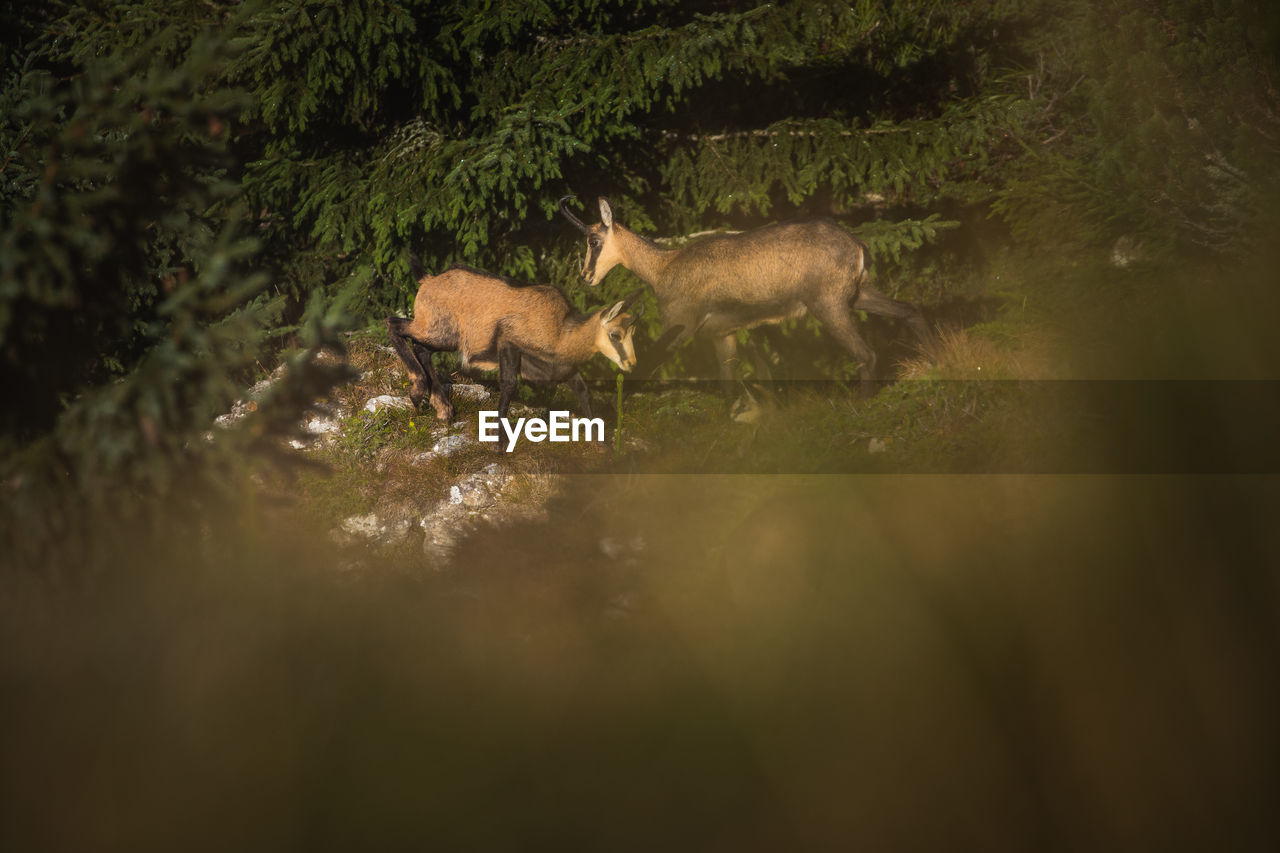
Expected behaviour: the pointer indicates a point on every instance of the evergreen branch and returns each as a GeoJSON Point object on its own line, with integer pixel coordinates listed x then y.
{"type": "Point", "coordinates": [762, 133]}
{"type": "Point", "coordinates": [13, 149]}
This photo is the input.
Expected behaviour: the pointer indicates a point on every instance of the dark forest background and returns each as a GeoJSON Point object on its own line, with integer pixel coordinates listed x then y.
{"type": "Point", "coordinates": [193, 193]}
{"type": "Point", "coordinates": [175, 165]}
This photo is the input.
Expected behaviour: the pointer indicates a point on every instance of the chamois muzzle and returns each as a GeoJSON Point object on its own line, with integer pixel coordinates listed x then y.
{"type": "Point", "coordinates": [564, 208]}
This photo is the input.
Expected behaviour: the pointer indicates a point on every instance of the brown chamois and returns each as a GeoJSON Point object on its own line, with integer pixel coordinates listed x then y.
{"type": "Point", "coordinates": [717, 285]}
{"type": "Point", "coordinates": [494, 323]}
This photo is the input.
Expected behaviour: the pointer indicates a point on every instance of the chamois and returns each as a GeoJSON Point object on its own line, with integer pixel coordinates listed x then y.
{"type": "Point", "coordinates": [494, 323]}
{"type": "Point", "coordinates": [715, 286]}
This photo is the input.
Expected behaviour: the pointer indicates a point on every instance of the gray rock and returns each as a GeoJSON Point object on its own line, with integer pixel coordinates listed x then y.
{"type": "Point", "coordinates": [323, 425]}
{"type": "Point", "coordinates": [471, 392]}
{"type": "Point", "coordinates": [387, 401]}
{"type": "Point", "coordinates": [374, 529]}
{"type": "Point", "coordinates": [450, 444]}
{"type": "Point", "coordinates": [442, 528]}
{"type": "Point", "coordinates": [452, 518]}
{"type": "Point", "coordinates": [475, 494]}
{"type": "Point", "coordinates": [366, 526]}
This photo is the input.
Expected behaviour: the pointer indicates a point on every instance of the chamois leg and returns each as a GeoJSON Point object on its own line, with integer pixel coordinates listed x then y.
{"type": "Point", "coordinates": [424, 358]}
{"type": "Point", "coordinates": [836, 320]}
{"type": "Point", "coordinates": [404, 346]}
{"type": "Point", "coordinates": [508, 377]}
{"type": "Point", "coordinates": [441, 392]}
{"type": "Point", "coordinates": [874, 302]}
{"type": "Point", "coordinates": [745, 409]}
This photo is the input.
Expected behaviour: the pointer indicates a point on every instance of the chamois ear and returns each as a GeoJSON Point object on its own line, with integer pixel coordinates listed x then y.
{"type": "Point", "coordinates": [606, 213]}
{"type": "Point", "coordinates": [619, 307]}
{"type": "Point", "coordinates": [612, 313]}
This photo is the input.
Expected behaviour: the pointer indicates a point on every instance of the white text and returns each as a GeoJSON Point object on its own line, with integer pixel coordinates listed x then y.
{"type": "Point", "coordinates": [558, 427]}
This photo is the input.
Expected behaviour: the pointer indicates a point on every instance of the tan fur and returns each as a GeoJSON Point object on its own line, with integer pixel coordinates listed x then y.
{"type": "Point", "coordinates": [533, 318]}
{"type": "Point", "coordinates": [719, 285]}
{"type": "Point", "coordinates": [495, 324]}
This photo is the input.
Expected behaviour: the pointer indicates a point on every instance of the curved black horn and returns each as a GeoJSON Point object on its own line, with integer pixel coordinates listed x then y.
{"type": "Point", "coordinates": [564, 208]}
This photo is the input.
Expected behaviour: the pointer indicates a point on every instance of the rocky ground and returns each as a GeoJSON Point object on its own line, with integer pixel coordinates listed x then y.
{"type": "Point", "coordinates": [394, 477]}
{"type": "Point", "coordinates": [421, 481]}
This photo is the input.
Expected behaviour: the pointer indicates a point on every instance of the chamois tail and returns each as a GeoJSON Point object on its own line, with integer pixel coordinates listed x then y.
{"type": "Point", "coordinates": [864, 275]}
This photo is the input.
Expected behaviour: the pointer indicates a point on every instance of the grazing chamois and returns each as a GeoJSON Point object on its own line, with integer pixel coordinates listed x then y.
{"type": "Point", "coordinates": [494, 323]}
{"type": "Point", "coordinates": [717, 285]}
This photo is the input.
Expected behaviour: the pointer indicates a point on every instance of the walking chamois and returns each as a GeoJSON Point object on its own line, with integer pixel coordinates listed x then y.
{"type": "Point", "coordinates": [494, 323]}
{"type": "Point", "coordinates": [717, 285]}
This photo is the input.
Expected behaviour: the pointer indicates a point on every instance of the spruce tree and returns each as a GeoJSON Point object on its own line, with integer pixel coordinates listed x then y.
{"type": "Point", "coordinates": [451, 129]}
{"type": "Point", "coordinates": [130, 314]}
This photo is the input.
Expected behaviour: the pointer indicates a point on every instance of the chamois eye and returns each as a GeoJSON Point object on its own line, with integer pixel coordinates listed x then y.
{"type": "Point", "coordinates": [593, 241]}
{"type": "Point", "coordinates": [615, 335]}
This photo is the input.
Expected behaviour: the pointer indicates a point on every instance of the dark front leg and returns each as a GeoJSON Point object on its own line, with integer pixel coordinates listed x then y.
{"type": "Point", "coordinates": [441, 391]}
{"type": "Point", "coordinates": [508, 377]}
{"type": "Point", "coordinates": [404, 347]}
{"type": "Point", "coordinates": [444, 383]}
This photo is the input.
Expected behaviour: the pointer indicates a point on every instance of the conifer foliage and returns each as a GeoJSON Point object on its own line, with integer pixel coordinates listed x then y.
{"type": "Point", "coordinates": [130, 314]}
{"type": "Point", "coordinates": [179, 179]}
{"type": "Point", "coordinates": [1158, 121]}
{"type": "Point", "coordinates": [452, 128]}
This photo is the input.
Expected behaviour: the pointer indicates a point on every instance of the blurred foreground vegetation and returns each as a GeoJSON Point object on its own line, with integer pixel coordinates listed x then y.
{"type": "Point", "coordinates": [973, 662]}
{"type": "Point", "coordinates": [192, 195]}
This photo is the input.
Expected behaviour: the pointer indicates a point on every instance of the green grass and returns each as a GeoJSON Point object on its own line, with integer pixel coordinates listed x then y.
{"type": "Point", "coordinates": [925, 425]}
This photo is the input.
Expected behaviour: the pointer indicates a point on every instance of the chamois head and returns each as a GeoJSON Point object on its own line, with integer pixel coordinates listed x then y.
{"type": "Point", "coordinates": [602, 250]}
{"type": "Point", "coordinates": [613, 332]}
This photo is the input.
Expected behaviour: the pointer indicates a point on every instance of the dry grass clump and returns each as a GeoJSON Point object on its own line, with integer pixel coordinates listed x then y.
{"type": "Point", "coordinates": [991, 351]}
